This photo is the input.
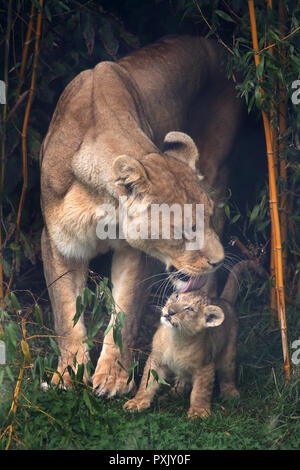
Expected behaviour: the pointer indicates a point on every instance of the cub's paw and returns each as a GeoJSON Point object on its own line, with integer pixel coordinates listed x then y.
{"type": "Point", "coordinates": [136, 405]}
{"type": "Point", "coordinates": [198, 412]}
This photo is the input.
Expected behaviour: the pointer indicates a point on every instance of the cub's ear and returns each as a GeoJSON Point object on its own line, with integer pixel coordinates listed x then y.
{"type": "Point", "coordinates": [213, 315]}
{"type": "Point", "coordinates": [181, 146]}
{"type": "Point", "coordinates": [130, 175]}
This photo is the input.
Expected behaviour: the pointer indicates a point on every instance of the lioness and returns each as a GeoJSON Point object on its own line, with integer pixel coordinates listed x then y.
{"type": "Point", "coordinates": [188, 344]}
{"type": "Point", "coordinates": [133, 128]}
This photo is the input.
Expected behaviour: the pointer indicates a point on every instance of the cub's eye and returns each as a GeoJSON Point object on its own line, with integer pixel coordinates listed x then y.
{"type": "Point", "coordinates": [190, 309]}
{"type": "Point", "coordinates": [176, 297]}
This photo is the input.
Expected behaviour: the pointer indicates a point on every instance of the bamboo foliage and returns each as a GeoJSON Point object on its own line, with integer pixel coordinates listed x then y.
{"type": "Point", "coordinates": [26, 116]}
{"type": "Point", "coordinates": [275, 223]}
{"type": "Point", "coordinates": [3, 141]}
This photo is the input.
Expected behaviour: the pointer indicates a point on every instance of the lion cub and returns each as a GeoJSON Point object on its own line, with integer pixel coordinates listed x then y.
{"type": "Point", "coordinates": [195, 338]}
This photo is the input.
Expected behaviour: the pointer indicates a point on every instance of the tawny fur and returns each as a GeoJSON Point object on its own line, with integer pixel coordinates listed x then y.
{"type": "Point", "coordinates": [107, 134]}
{"type": "Point", "coordinates": [192, 344]}
{"type": "Point", "coordinates": [196, 338]}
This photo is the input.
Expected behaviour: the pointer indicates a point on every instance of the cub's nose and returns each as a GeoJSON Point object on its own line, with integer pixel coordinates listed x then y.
{"type": "Point", "coordinates": [170, 312]}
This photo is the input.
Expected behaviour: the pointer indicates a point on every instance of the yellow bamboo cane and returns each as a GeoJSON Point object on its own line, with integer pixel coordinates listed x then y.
{"type": "Point", "coordinates": [27, 113]}
{"type": "Point", "coordinates": [282, 130]}
{"type": "Point", "coordinates": [24, 129]}
{"type": "Point", "coordinates": [25, 50]}
{"type": "Point", "coordinates": [274, 135]}
{"type": "Point", "coordinates": [273, 211]}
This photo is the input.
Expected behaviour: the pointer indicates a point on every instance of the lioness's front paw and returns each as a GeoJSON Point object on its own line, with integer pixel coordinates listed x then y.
{"type": "Point", "coordinates": [62, 377]}
{"type": "Point", "coordinates": [198, 412]}
{"type": "Point", "coordinates": [110, 380]}
{"type": "Point", "coordinates": [136, 405]}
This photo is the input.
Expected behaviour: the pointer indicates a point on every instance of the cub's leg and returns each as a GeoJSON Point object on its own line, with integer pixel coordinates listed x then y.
{"type": "Point", "coordinates": [181, 386]}
{"type": "Point", "coordinates": [145, 395]}
{"type": "Point", "coordinates": [130, 269]}
{"type": "Point", "coordinates": [65, 280]}
{"type": "Point", "coordinates": [201, 392]}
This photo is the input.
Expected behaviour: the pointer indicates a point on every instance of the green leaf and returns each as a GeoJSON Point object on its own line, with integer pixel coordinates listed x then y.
{"type": "Point", "coordinates": [93, 328]}
{"type": "Point", "coordinates": [65, 7]}
{"type": "Point", "coordinates": [6, 267]}
{"type": "Point", "coordinates": [254, 214]}
{"type": "Point", "coordinates": [80, 372]}
{"type": "Point", "coordinates": [131, 371]}
{"type": "Point", "coordinates": [121, 319]}
{"type": "Point", "coordinates": [54, 346]}
{"type": "Point", "coordinates": [235, 218]}
{"type": "Point", "coordinates": [87, 402]}
{"type": "Point", "coordinates": [12, 334]}
{"type": "Point", "coordinates": [1, 376]}
{"type": "Point", "coordinates": [108, 329]}
{"type": "Point", "coordinates": [257, 94]}
{"type": "Point", "coordinates": [117, 335]}
{"type": "Point", "coordinates": [87, 297]}
{"type": "Point", "coordinates": [15, 301]}
{"type": "Point", "coordinates": [48, 13]}
{"type": "Point", "coordinates": [79, 310]}
{"type": "Point", "coordinates": [89, 343]}
{"type": "Point", "coordinates": [9, 374]}
{"type": "Point", "coordinates": [38, 315]}
{"type": "Point", "coordinates": [26, 352]}
{"type": "Point", "coordinates": [224, 16]}
{"type": "Point", "coordinates": [260, 68]}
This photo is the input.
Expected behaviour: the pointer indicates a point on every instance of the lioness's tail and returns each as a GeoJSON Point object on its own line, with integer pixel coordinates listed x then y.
{"type": "Point", "coordinates": [234, 277]}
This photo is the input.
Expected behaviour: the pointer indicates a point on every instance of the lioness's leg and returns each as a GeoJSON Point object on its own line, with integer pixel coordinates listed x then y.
{"type": "Point", "coordinates": [226, 370]}
{"type": "Point", "coordinates": [65, 280]}
{"type": "Point", "coordinates": [130, 268]}
{"type": "Point", "coordinates": [147, 390]}
{"type": "Point", "coordinates": [201, 392]}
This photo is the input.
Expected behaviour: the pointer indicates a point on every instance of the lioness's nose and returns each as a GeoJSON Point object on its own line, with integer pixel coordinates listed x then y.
{"type": "Point", "coordinates": [216, 265]}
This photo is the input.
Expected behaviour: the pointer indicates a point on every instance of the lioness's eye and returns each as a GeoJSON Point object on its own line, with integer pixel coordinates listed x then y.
{"type": "Point", "coordinates": [189, 308]}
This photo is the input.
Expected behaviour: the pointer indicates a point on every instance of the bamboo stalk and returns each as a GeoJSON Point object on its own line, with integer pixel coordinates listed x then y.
{"type": "Point", "coordinates": [282, 164]}
{"type": "Point", "coordinates": [25, 50]}
{"type": "Point", "coordinates": [273, 210]}
{"type": "Point", "coordinates": [24, 130]}
{"type": "Point", "coordinates": [26, 118]}
{"type": "Point", "coordinates": [274, 138]}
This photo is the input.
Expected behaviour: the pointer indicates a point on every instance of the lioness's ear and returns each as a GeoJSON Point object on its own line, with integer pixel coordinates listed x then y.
{"type": "Point", "coordinates": [181, 146]}
{"type": "Point", "coordinates": [129, 174]}
{"type": "Point", "coordinates": [213, 315]}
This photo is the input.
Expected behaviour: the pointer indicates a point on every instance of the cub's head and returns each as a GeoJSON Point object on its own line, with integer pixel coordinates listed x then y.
{"type": "Point", "coordinates": [190, 313]}
{"type": "Point", "coordinates": [168, 212]}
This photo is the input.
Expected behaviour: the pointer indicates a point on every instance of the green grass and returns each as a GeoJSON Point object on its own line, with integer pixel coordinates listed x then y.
{"type": "Point", "coordinates": [266, 416]}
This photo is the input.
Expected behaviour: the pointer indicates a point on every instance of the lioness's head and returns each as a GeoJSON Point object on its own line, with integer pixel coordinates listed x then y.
{"type": "Point", "coordinates": [168, 212]}
{"type": "Point", "coordinates": [191, 312]}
